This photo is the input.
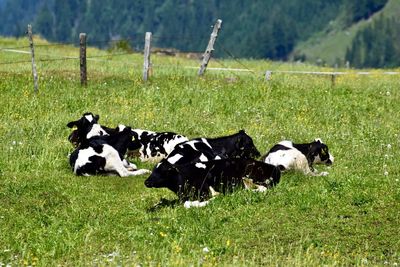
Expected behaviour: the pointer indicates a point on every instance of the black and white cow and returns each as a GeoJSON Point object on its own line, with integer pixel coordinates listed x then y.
{"type": "Point", "coordinates": [154, 146]}
{"type": "Point", "coordinates": [104, 154]}
{"type": "Point", "coordinates": [202, 180]}
{"type": "Point", "coordinates": [290, 156]}
{"type": "Point", "coordinates": [238, 145]}
{"type": "Point", "coordinates": [86, 127]}
{"type": "Point", "coordinates": [148, 145]}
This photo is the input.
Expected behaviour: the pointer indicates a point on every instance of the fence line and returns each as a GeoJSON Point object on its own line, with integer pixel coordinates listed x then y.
{"type": "Point", "coordinates": [16, 51]}
{"type": "Point", "coordinates": [332, 72]}
{"type": "Point", "coordinates": [226, 51]}
{"type": "Point", "coordinates": [245, 69]}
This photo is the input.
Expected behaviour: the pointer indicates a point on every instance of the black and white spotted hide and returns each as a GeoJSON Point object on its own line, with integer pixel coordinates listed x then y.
{"type": "Point", "coordinates": [202, 180]}
{"type": "Point", "coordinates": [154, 146]}
{"type": "Point", "coordinates": [104, 154]}
{"type": "Point", "coordinates": [86, 127]}
{"type": "Point", "coordinates": [238, 145]}
{"type": "Point", "coordinates": [290, 156]}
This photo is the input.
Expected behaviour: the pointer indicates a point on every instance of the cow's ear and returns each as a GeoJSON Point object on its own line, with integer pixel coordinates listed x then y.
{"type": "Point", "coordinates": [242, 131]}
{"type": "Point", "coordinates": [71, 124]}
{"type": "Point", "coordinates": [96, 117]}
{"type": "Point", "coordinates": [318, 140]}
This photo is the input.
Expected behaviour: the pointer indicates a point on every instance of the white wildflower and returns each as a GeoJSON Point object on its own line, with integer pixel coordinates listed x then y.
{"type": "Point", "coordinates": [386, 173]}
{"type": "Point", "coordinates": [206, 250]}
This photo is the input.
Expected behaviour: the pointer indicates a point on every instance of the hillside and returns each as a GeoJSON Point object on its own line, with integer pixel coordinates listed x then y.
{"type": "Point", "coordinates": [330, 45]}
{"type": "Point", "coordinates": [295, 30]}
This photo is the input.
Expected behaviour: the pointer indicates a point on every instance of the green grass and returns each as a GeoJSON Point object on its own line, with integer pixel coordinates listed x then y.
{"type": "Point", "coordinates": [48, 216]}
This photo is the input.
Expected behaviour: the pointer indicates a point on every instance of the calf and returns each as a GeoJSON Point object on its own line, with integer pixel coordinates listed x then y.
{"type": "Point", "coordinates": [154, 146]}
{"type": "Point", "coordinates": [287, 155]}
{"type": "Point", "coordinates": [104, 154]}
{"type": "Point", "coordinates": [86, 127]}
{"type": "Point", "coordinates": [238, 145]}
{"type": "Point", "coordinates": [148, 145]}
{"type": "Point", "coordinates": [202, 180]}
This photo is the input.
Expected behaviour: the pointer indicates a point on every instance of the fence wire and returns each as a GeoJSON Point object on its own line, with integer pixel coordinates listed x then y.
{"type": "Point", "coordinates": [137, 41]}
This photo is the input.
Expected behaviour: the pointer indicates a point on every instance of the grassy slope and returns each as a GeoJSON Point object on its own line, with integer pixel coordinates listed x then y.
{"type": "Point", "coordinates": [48, 216]}
{"type": "Point", "coordinates": [330, 46]}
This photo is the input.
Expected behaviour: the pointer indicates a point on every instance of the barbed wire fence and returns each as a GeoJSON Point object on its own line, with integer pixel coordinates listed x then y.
{"type": "Point", "coordinates": [119, 48]}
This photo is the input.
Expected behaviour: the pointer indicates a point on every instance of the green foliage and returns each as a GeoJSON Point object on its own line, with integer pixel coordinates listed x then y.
{"type": "Point", "coordinates": [377, 45]}
{"type": "Point", "coordinates": [50, 217]}
{"type": "Point", "coordinates": [363, 9]}
{"type": "Point", "coordinates": [121, 45]}
{"type": "Point", "coordinates": [342, 41]}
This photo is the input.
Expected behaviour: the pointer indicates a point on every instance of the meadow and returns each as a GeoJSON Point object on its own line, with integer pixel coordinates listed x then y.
{"type": "Point", "coordinates": [49, 216]}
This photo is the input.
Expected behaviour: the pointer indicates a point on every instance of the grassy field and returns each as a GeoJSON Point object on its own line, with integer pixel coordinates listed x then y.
{"type": "Point", "coordinates": [49, 216]}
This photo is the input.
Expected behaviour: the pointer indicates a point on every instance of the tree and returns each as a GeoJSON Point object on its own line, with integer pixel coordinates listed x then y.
{"type": "Point", "coordinates": [45, 23]}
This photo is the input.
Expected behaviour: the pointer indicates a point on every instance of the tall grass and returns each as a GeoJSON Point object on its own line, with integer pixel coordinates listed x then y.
{"type": "Point", "coordinates": [48, 216]}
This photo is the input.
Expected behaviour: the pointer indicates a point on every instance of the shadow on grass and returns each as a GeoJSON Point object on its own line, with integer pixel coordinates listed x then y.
{"type": "Point", "coordinates": [164, 203]}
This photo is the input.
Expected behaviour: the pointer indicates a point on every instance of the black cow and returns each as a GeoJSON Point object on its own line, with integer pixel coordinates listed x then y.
{"type": "Point", "coordinates": [104, 154]}
{"type": "Point", "coordinates": [201, 180]}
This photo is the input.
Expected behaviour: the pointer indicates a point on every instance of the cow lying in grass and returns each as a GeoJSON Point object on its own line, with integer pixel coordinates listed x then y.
{"type": "Point", "coordinates": [104, 154]}
{"type": "Point", "coordinates": [154, 146]}
{"type": "Point", "coordinates": [238, 145]}
{"type": "Point", "coordinates": [202, 180]}
{"type": "Point", "coordinates": [86, 127]}
{"type": "Point", "coordinates": [290, 156]}
{"type": "Point", "coordinates": [148, 145]}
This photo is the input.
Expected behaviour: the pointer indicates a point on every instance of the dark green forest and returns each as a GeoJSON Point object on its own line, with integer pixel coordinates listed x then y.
{"type": "Point", "coordinates": [251, 29]}
{"type": "Point", "coordinates": [376, 46]}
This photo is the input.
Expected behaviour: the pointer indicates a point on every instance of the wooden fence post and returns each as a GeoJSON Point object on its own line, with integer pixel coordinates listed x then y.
{"type": "Point", "coordinates": [35, 76]}
{"type": "Point", "coordinates": [210, 47]}
{"type": "Point", "coordinates": [82, 57]}
{"type": "Point", "coordinates": [333, 79]}
{"type": "Point", "coordinates": [147, 63]}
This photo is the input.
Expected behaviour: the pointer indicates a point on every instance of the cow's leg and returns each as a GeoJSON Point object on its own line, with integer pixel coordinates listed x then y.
{"type": "Point", "coordinates": [114, 163]}
{"type": "Point", "coordinates": [138, 172]}
{"type": "Point", "coordinates": [195, 204]}
{"type": "Point", "coordinates": [250, 185]}
{"type": "Point", "coordinates": [128, 165]}
{"type": "Point", "coordinates": [301, 164]}
{"type": "Point", "coordinates": [213, 192]}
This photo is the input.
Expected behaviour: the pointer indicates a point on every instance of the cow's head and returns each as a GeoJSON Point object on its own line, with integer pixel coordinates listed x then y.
{"type": "Point", "coordinates": [87, 120]}
{"type": "Point", "coordinates": [245, 147]}
{"type": "Point", "coordinates": [319, 153]}
{"type": "Point", "coordinates": [166, 175]}
{"type": "Point", "coordinates": [83, 127]}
